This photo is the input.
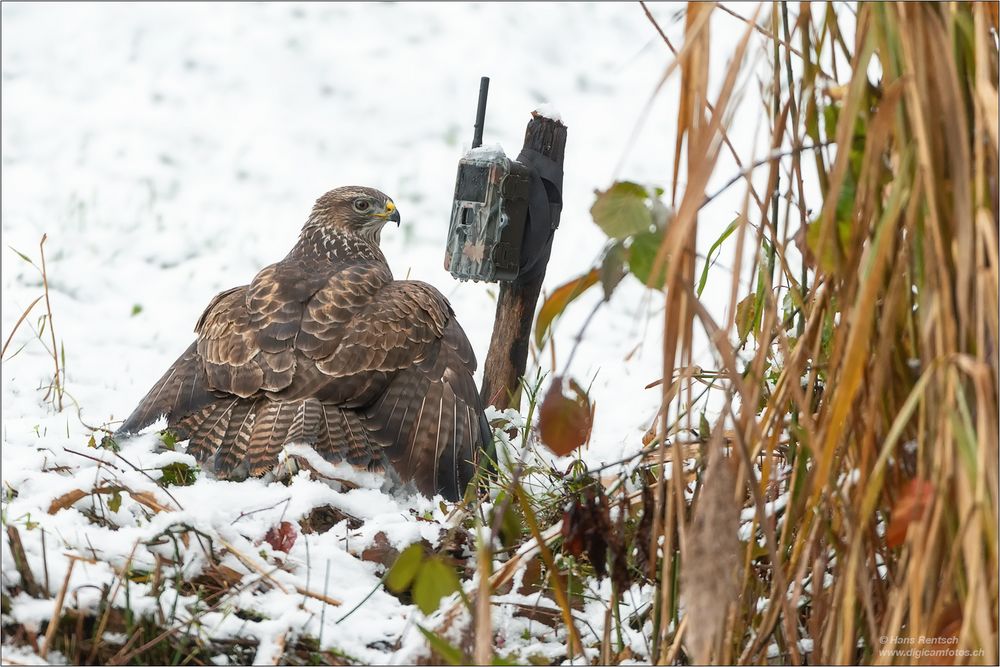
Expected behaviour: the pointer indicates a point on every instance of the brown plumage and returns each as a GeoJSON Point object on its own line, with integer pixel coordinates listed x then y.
{"type": "Point", "coordinates": [325, 348]}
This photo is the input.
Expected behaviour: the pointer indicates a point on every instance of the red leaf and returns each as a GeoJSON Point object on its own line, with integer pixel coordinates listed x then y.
{"type": "Point", "coordinates": [281, 537]}
{"type": "Point", "coordinates": [909, 507]}
{"type": "Point", "coordinates": [564, 421]}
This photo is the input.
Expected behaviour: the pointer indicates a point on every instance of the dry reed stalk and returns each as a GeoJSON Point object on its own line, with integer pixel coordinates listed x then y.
{"type": "Point", "coordinates": [302, 590]}
{"type": "Point", "coordinates": [253, 566]}
{"type": "Point", "coordinates": [702, 131]}
{"type": "Point", "coordinates": [483, 654]}
{"type": "Point", "coordinates": [711, 558]}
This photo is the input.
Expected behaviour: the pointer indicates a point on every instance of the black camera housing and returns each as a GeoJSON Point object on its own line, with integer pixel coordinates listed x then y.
{"type": "Point", "coordinates": [488, 216]}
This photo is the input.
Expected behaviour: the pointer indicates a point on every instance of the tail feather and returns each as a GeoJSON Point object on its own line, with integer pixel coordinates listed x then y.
{"type": "Point", "coordinates": [239, 437]}
{"type": "Point", "coordinates": [305, 426]}
{"type": "Point", "coordinates": [198, 427]}
{"type": "Point", "coordinates": [210, 434]}
{"type": "Point", "coordinates": [342, 437]}
{"type": "Point", "coordinates": [270, 427]}
{"type": "Point", "coordinates": [229, 459]}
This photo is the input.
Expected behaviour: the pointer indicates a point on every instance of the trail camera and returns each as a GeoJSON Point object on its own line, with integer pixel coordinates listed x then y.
{"type": "Point", "coordinates": [489, 210]}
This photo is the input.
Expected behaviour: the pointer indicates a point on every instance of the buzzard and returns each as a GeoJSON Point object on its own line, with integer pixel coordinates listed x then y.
{"type": "Point", "coordinates": [325, 348]}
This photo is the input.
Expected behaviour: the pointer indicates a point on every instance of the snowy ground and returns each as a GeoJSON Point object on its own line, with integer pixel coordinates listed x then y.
{"type": "Point", "coordinates": [171, 151]}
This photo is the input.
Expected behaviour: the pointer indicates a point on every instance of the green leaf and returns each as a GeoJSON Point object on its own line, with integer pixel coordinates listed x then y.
{"type": "Point", "coordinates": [107, 442]}
{"type": "Point", "coordinates": [845, 211]}
{"type": "Point", "coordinates": [621, 210]}
{"type": "Point", "coordinates": [178, 474]}
{"type": "Point", "coordinates": [168, 439]}
{"type": "Point", "coordinates": [136, 309]}
{"type": "Point", "coordinates": [511, 526]}
{"type": "Point", "coordinates": [405, 568]}
{"type": "Point", "coordinates": [704, 430]}
{"type": "Point", "coordinates": [745, 316]}
{"type": "Point", "coordinates": [115, 502]}
{"type": "Point", "coordinates": [435, 580]}
{"type": "Point", "coordinates": [829, 261]}
{"type": "Point", "coordinates": [831, 114]}
{"type": "Point", "coordinates": [556, 303]}
{"type": "Point", "coordinates": [642, 257]}
{"type": "Point", "coordinates": [709, 261]}
{"type": "Point", "coordinates": [452, 655]}
{"type": "Point", "coordinates": [22, 255]}
{"type": "Point", "coordinates": [613, 268]}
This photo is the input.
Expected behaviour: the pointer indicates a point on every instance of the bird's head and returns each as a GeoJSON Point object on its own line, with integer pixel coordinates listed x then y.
{"type": "Point", "coordinates": [356, 210]}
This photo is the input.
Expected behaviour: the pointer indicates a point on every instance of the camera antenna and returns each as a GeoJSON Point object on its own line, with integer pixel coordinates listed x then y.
{"type": "Point", "coordinates": [484, 89]}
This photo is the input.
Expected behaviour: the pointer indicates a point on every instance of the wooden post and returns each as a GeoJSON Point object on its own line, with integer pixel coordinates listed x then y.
{"type": "Point", "coordinates": [508, 354]}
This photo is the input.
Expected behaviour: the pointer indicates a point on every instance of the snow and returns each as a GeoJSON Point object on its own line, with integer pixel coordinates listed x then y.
{"type": "Point", "coordinates": [485, 152]}
{"type": "Point", "coordinates": [548, 110]}
{"type": "Point", "coordinates": [172, 151]}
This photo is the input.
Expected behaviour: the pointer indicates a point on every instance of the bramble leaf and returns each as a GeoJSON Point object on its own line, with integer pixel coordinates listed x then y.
{"type": "Point", "coordinates": [435, 580]}
{"type": "Point", "coordinates": [405, 568]}
{"type": "Point", "coordinates": [642, 258]}
{"type": "Point", "coordinates": [621, 210]}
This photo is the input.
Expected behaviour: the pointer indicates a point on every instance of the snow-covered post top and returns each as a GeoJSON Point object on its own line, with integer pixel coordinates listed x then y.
{"type": "Point", "coordinates": [547, 110]}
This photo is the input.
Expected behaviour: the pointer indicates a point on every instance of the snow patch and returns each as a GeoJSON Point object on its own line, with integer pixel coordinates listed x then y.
{"type": "Point", "coordinates": [548, 110]}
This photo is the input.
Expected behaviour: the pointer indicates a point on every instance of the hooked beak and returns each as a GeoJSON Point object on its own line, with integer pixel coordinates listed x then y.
{"type": "Point", "coordinates": [389, 213]}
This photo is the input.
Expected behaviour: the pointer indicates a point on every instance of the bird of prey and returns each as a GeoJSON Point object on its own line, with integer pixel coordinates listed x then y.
{"type": "Point", "coordinates": [325, 348]}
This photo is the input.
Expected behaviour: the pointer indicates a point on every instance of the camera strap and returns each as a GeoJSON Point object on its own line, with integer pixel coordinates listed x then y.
{"type": "Point", "coordinates": [544, 209]}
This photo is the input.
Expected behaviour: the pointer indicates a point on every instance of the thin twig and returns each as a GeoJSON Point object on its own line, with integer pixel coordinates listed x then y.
{"type": "Point", "coordinates": [57, 378]}
{"type": "Point", "coordinates": [579, 336]}
{"type": "Point", "coordinates": [656, 25]}
{"type": "Point", "coordinates": [50, 632]}
{"type": "Point", "coordinates": [761, 162]}
{"type": "Point", "coordinates": [21, 563]}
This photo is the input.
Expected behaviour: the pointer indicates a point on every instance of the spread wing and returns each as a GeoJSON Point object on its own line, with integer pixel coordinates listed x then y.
{"type": "Point", "coordinates": [429, 416]}
{"type": "Point", "coordinates": [322, 348]}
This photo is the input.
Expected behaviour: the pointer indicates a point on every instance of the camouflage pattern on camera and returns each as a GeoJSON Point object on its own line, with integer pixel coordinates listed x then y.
{"type": "Point", "coordinates": [487, 217]}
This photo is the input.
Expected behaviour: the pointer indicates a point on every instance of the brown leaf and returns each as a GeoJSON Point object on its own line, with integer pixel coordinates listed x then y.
{"type": "Point", "coordinates": [148, 500]}
{"type": "Point", "coordinates": [564, 421]}
{"type": "Point", "coordinates": [548, 616]}
{"type": "Point", "coordinates": [598, 532]}
{"type": "Point", "coordinates": [142, 497]}
{"type": "Point", "coordinates": [325, 517]}
{"type": "Point", "coordinates": [587, 528]}
{"type": "Point", "coordinates": [380, 551]}
{"type": "Point", "coordinates": [533, 579]}
{"type": "Point", "coordinates": [66, 500]}
{"type": "Point", "coordinates": [617, 550]}
{"type": "Point", "coordinates": [909, 507]}
{"type": "Point", "coordinates": [281, 537]}
{"type": "Point", "coordinates": [949, 626]}
{"type": "Point", "coordinates": [644, 533]}
{"type": "Point", "coordinates": [573, 529]}
{"type": "Point", "coordinates": [556, 302]}
{"type": "Point", "coordinates": [227, 574]}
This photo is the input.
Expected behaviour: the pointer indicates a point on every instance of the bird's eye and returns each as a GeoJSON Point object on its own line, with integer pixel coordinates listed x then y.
{"type": "Point", "coordinates": [362, 205]}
